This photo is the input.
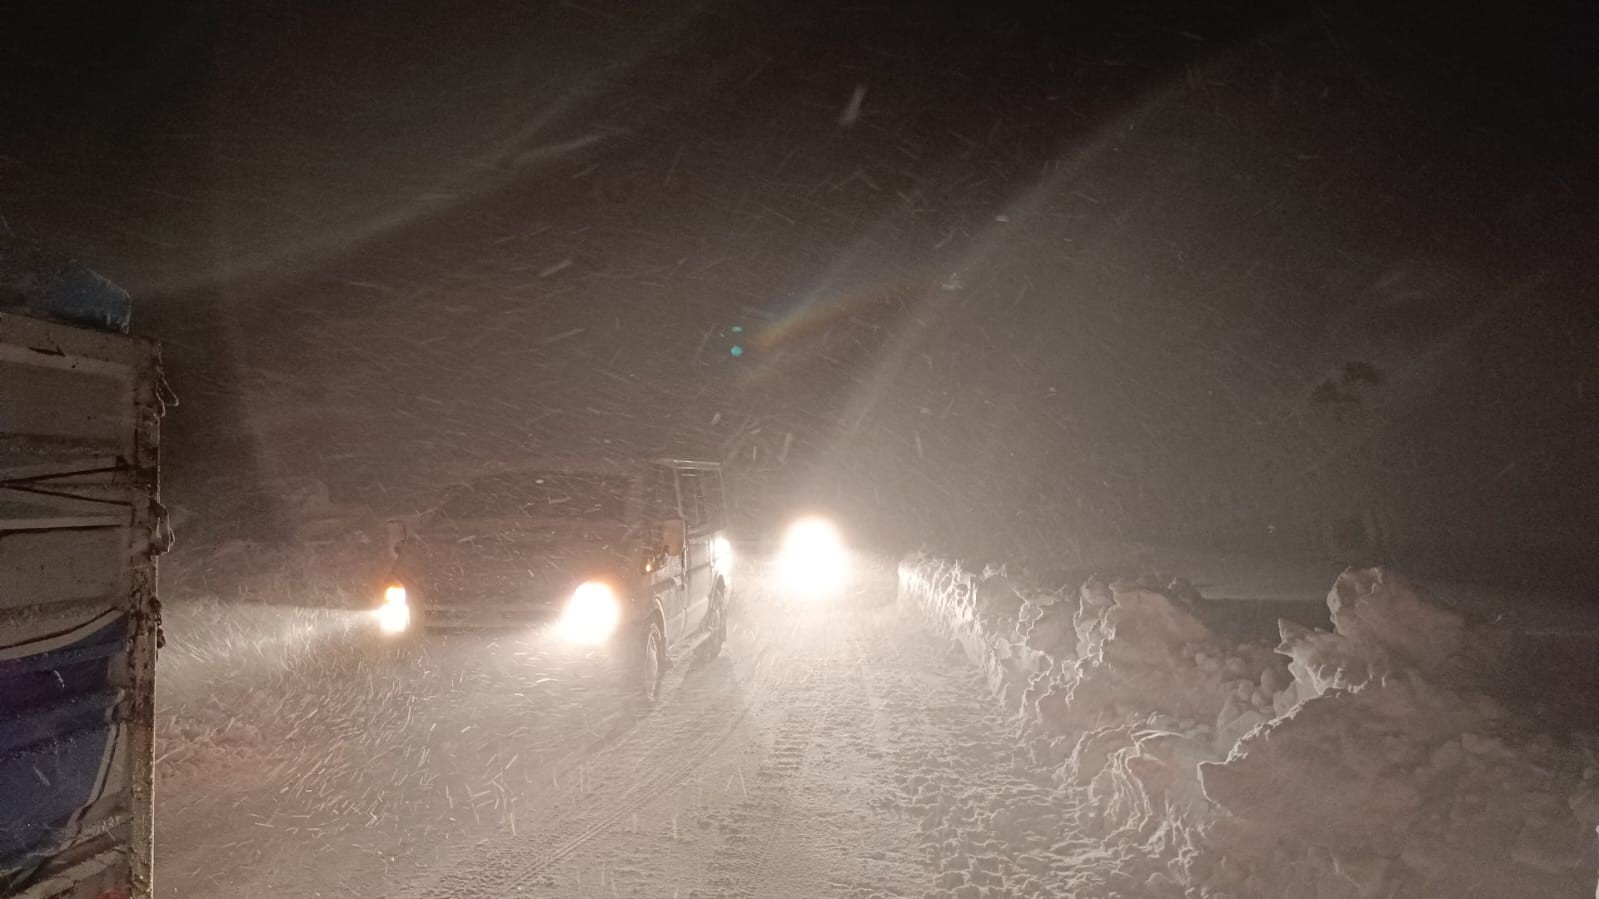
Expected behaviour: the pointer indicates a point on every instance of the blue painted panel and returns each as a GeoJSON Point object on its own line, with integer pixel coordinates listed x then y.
{"type": "Point", "coordinates": [58, 736]}
{"type": "Point", "coordinates": [37, 282]}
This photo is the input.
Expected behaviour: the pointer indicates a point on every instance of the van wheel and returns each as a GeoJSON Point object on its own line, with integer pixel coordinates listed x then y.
{"type": "Point", "coordinates": [715, 626]}
{"type": "Point", "coordinates": [651, 663]}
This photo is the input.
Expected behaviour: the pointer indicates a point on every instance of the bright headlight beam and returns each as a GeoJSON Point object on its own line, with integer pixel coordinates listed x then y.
{"type": "Point", "coordinates": [591, 615]}
{"type": "Point", "coordinates": [813, 562]}
{"type": "Point", "coordinates": [394, 616]}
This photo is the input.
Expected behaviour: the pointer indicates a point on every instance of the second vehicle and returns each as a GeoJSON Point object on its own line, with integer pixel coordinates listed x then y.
{"type": "Point", "coordinates": [628, 557]}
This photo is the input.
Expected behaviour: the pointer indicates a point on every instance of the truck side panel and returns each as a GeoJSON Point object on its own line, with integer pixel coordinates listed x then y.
{"type": "Point", "coordinates": [79, 530]}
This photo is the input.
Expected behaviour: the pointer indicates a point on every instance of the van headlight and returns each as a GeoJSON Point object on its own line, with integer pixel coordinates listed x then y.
{"type": "Point", "coordinates": [591, 614]}
{"type": "Point", "coordinates": [394, 616]}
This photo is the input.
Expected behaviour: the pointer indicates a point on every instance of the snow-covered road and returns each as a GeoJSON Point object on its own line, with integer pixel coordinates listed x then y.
{"type": "Point", "coordinates": [832, 751]}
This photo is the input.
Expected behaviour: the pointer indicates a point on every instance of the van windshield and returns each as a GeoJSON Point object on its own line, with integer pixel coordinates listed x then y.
{"type": "Point", "coordinates": [545, 495]}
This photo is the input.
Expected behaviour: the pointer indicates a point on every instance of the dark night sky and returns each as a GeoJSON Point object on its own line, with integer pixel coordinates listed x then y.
{"type": "Point", "coordinates": [1224, 273]}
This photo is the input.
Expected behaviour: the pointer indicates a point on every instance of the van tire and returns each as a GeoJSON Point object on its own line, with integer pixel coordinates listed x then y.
{"type": "Point", "coordinates": [650, 666]}
{"type": "Point", "coordinates": [716, 625]}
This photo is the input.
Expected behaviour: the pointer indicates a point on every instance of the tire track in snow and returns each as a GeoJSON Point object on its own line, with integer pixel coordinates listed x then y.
{"type": "Point", "coordinates": [635, 798]}
{"type": "Point", "coordinates": [694, 721]}
{"type": "Point", "coordinates": [739, 865]}
{"type": "Point", "coordinates": [986, 826]}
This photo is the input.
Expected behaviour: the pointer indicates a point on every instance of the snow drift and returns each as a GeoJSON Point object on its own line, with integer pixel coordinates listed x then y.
{"type": "Point", "coordinates": [1398, 754]}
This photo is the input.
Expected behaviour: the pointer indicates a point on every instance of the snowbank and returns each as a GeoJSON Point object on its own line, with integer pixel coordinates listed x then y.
{"type": "Point", "coordinates": [1391, 756]}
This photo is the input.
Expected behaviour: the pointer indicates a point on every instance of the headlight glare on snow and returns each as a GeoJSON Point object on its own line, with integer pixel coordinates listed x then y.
{"type": "Point", "coordinates": [813, 562]}
{"type": "Point", "coordinates": [394, 616]}
{"type": "Point", "coordinates": [591, 615]}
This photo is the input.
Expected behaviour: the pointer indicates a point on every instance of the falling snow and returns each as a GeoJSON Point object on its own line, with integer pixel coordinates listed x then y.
{"type": "Point", "coordinates": [1090, 291]}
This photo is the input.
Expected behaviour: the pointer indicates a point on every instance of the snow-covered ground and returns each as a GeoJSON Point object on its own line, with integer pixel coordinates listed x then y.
{"type": "Point", "coordinates": [979, 738]}
{"type": "Point", "coordinates": [837, 749]}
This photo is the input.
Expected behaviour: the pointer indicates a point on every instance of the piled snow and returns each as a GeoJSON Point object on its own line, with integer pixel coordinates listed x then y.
{"type": "Point", "coordinates": [1382, 758]}
{"type": "Point", "coordinates": [1398, 767]}
{"type": "Point", "coordinates": [1124, 691]}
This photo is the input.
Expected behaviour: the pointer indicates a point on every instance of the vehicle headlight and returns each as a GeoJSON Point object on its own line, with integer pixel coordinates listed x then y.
{"type": "Point", "coordinates": [813, 561]}
{"type": "Point", "coordinates": [394, 616]}
{"type": "Point", "coordinates": [722, 553]}
{"type": "Point", "coordinates": [591, 615]}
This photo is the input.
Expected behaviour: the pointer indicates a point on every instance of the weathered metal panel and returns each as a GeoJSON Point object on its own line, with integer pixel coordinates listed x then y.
{"type": "Point", "coordinates": [45, 567]}
{"type": "Point", "coordinates": [80, 526]}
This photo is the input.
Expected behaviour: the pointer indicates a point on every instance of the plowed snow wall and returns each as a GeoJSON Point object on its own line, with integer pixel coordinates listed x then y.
{"type": "Point", "coordinates": [1382, 758]}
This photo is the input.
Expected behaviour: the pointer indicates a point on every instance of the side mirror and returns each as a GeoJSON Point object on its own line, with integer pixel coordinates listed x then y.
{"type": "Point", "coordinates": [394, 533]}
{"type": "Point", "coordinates": [674, 535]}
